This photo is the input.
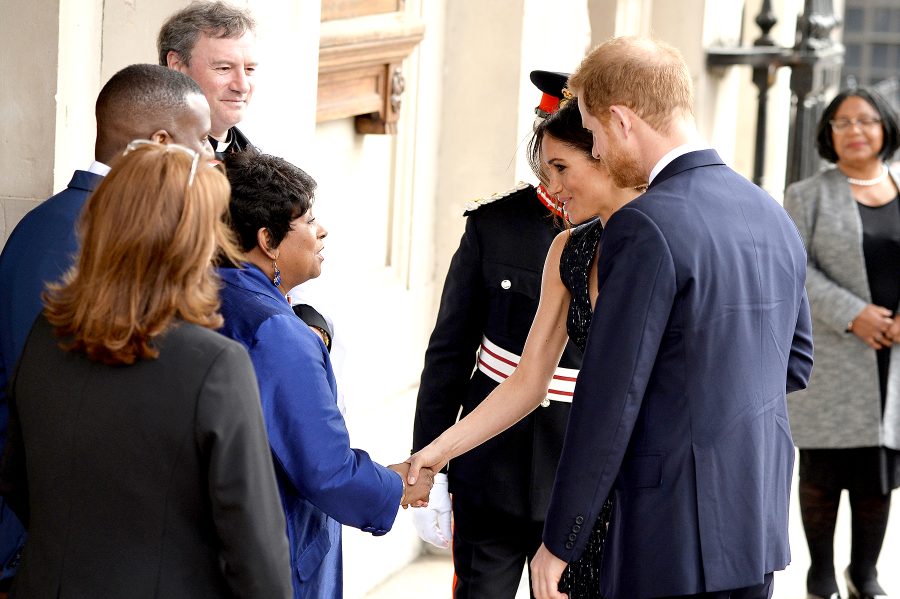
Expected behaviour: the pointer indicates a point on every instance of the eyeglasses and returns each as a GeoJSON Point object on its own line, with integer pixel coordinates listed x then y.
{"type": "Point", "coordinates": [195, 157]}
{"type": "Point", "coordinates": [845, 124]}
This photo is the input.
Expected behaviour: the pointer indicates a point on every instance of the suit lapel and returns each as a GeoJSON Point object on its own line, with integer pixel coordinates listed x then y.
{"type": "Point", "coordinates": [686, 162]}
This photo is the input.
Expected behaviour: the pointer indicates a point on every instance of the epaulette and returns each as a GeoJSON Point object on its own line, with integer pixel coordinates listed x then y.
{"type": "Point", "coordinates": [473, 205]}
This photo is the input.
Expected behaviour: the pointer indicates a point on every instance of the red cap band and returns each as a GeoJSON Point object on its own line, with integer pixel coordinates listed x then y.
{"type": "Point", "coordinates": [549, 104]}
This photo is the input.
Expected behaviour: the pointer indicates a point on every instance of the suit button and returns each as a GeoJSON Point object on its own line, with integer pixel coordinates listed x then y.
{"type": "Point", "coordinates": [505, 284]}
{"type": "Point", "coordinates": [576, 528]}
{"type": "Point", "coordinates": [573, 536]}
{"type": "Point", "coordinates": [570, 545]}
{"type": "Point", "coordinates": [579, 520]}
{"type": "Point", "coordinates": [546, 402]}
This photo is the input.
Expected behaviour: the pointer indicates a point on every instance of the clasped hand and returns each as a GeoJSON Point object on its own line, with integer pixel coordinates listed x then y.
{"type": "Point", "coordinates": [876, 328]}
{"type": "Point", "coordinates": [416, 493]}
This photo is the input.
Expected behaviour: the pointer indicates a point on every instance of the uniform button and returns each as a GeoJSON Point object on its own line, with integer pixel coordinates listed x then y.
{"type": "Point", "coordinates": [572, 537]}
{"type": "Point", "coordinates": [505, 283]}
{"type": "Point", "coordinates": [546, 402]}
{"type": "Point", "coordinates": [570, 545]}
{"type": "Point", "coordinates": [576, 528]}
{"type": "Point", "coordinates": [579, 520]}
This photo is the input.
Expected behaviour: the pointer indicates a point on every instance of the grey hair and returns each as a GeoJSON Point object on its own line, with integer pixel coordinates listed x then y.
{"type": "Point", "coordinates": [216, 19]}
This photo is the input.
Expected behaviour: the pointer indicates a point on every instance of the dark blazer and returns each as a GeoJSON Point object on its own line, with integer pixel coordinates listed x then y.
{"type": "Point", "coordinates": [149, 480]}
{"type": "Point", "coordinates": [505, 240]}
{"type": "Point", "coordinates": [679, 410]}
{"type": "Point", "coordinates": [38, 251]}
{"type": "Point", "coordinates": [239, 143]}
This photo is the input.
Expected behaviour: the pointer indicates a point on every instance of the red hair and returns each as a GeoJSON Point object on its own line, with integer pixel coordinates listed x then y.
{"type": "Point", "coordinates": [147, 239]}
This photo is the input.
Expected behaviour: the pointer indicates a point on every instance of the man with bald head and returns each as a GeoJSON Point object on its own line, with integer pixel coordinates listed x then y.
{"type": "Point", "coordinates": [702, 327]}
{"type": "Point", "coordinates": [145, 101]}
{"type": "Point", "coordinates": [139, 102]}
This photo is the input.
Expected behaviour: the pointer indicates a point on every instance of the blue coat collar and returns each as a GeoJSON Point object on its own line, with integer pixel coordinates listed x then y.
{"type": "Point", "coordinates": [686, 162]}
{"type": "Point", "coordinates": [250, 277]}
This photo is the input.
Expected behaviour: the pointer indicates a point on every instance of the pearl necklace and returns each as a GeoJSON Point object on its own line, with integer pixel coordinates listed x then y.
{"type": "Point", "coordinates": [870, 182]}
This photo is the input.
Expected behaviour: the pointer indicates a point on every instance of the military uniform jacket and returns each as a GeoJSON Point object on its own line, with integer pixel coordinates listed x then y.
{"type": "Point", "coordinates": [492, 289]}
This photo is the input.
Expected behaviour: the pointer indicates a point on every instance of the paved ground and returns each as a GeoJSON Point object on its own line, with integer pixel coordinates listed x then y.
{"type": "Point", "coordinates": [430, 576]}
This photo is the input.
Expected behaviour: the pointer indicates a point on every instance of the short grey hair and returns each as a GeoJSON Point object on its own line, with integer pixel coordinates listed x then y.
{"type": "Point", "coordinates": [217, 19]}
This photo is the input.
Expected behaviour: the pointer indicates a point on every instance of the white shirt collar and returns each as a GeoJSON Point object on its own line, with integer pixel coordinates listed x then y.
{"type": "Point", "coordinates": [98, 168]}
{"type": "Point", "coordinates": [673, 154]}
{"type": "Point", "coordinates": [221, 146]}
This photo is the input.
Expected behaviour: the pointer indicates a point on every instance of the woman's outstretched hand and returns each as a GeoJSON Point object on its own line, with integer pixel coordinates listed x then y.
{"type": "Point", "coordinates": [414, 494]}
{"type": "Point", "coordinates": [429, 456]}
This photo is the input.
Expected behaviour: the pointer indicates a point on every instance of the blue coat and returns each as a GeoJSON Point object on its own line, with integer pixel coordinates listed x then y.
{"type": "Point", "coordinates": [323, 481]}
{"type": "Point", "coordinates": [702, 326]}
{"type": "Point", "coordinates": [39, 251]}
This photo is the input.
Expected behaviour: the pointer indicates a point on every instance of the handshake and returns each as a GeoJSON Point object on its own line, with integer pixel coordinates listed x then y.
{"type": "Point", "coordinates": [414, 494]}
{"type": "Point", "coordinates": [426, 488]}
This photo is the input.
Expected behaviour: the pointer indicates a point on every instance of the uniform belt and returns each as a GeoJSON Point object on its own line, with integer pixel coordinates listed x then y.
{"type": "Point", "coordinates": [497, 363]}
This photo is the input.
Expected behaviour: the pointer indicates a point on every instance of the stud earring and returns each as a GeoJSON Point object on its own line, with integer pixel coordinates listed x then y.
{"type": "Point", "coordinates": [276, 280]}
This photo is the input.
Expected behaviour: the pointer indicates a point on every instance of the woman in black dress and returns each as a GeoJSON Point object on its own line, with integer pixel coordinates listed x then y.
{"type": "Point", "coordinates": [560, 154]}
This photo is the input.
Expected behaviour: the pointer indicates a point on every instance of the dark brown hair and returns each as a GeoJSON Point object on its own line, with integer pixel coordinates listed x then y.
{"type": "Point", "coordinates": [565, 126]}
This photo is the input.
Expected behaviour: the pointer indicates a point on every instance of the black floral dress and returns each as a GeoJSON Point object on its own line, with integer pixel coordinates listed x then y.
{"type": "Point", "coordinates": [581, 579]}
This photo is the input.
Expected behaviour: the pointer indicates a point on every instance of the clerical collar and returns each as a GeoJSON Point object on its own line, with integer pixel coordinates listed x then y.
{"type": "Point", "coordinates": [221, 146]}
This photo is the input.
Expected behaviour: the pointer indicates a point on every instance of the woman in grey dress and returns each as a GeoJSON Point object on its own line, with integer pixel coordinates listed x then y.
{"type": "Point", "coordinates": [847, 423]}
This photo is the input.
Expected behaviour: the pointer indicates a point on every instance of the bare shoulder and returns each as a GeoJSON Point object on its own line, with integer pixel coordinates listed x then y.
{"type": "Point", "coordinates": [559, 242]}
{"type": "Point", "coordinates": [551, 264]}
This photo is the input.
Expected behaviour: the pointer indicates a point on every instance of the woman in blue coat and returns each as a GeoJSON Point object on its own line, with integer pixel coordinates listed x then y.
{"type": "Point", "coordinates": [322, 480]}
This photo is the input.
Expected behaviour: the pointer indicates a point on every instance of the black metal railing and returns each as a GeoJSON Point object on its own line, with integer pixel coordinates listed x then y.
{"type": "Point", "coordinates": [815, 61]}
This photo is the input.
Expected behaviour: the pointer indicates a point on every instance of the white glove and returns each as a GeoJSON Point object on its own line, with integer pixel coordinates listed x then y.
{"type": "Point", "coordinates": [433, 522]}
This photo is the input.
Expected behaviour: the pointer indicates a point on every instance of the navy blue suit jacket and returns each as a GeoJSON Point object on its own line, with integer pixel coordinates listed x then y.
{"type": "Point", "coordinates": [701, 328]}
{"type": "Point", "coordinates": [39, 251]}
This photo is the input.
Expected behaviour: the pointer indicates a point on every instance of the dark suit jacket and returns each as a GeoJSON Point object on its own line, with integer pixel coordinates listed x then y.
{"type": "Point", "coordinates": [239, 143]}
{"type": "Point", "coordinates": [505, 240]}
{"type": "Point", "coordinates": [702, 325]}
{"type": "Point", "coordinates": [149, 480]}
{"type": "Point", "coordinates": [38, 251]}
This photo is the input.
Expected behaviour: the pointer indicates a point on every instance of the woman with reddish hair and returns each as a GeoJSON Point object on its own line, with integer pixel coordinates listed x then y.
{"type": "Point", "coordinates": [136, 456]}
